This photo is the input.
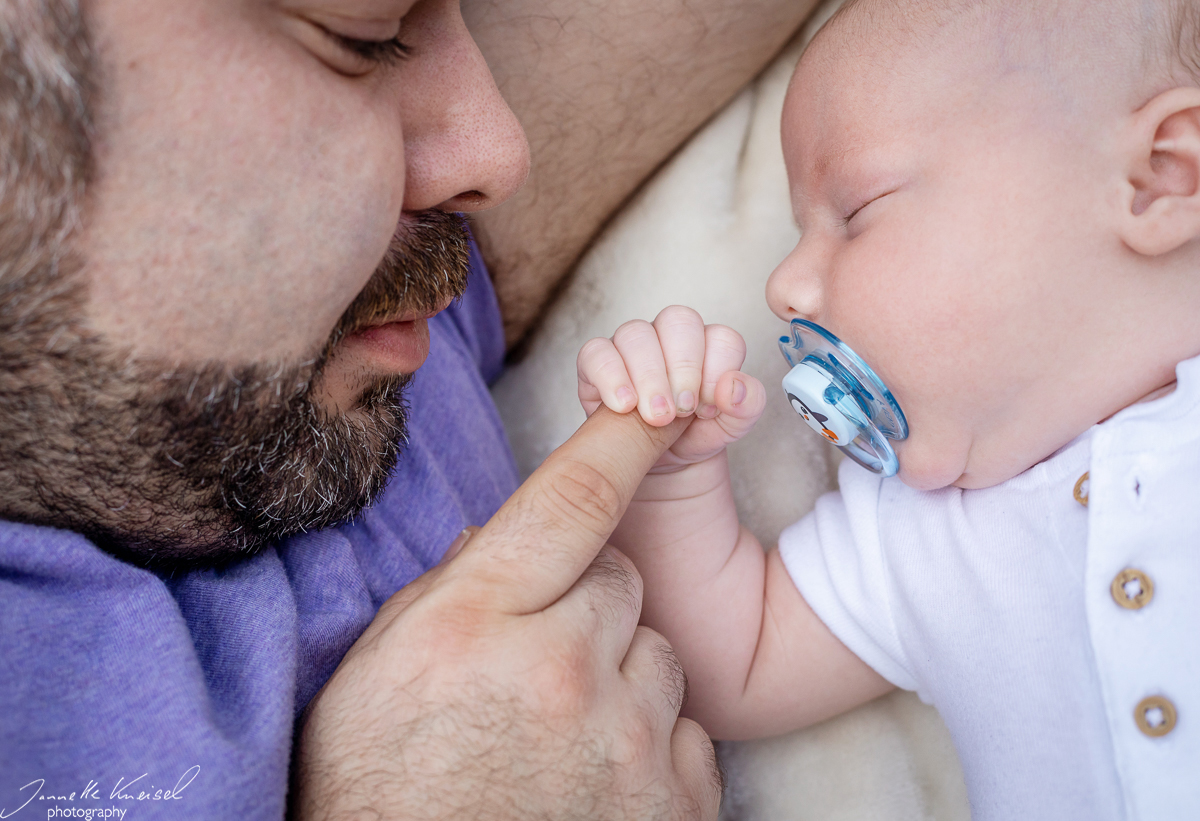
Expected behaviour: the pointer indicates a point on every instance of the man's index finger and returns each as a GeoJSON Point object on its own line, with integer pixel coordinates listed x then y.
{"type": "Point", "coordinates": [544, 537]}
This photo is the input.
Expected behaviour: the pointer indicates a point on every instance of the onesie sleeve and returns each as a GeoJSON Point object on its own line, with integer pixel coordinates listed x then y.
{"type": "Point", "coordinates": [835, 559]}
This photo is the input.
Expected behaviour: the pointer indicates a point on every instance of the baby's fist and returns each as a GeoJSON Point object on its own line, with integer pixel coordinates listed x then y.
{"type": "Point", "coordinates": [675, 366]}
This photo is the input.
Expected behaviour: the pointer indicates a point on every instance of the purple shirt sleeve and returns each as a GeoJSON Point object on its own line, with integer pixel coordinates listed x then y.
{"type": "Point", "coordinates": [176, 697]}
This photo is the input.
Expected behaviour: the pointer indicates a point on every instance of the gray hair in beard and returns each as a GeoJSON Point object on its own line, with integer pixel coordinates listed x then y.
{"type": "Point", "coordinates": [165, 466]}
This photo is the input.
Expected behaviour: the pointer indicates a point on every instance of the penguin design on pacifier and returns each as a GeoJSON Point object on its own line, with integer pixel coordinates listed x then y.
{"type": "Point", "coordinates": [815, 420]}
{"type": "Point", "coordinates": [841, 398]}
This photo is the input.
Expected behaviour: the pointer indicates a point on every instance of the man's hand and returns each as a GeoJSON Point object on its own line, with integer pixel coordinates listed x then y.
{"type": "Point", "coordinates": [513, 681]}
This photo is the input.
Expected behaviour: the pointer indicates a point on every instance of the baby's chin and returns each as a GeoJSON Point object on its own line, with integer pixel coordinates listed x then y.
{"type": "Point", "coordinates": [968, 466]}
{"type": "Point", "coordinates": [932, 466]}
{"type": "Point", "coordinates": [922, 478]}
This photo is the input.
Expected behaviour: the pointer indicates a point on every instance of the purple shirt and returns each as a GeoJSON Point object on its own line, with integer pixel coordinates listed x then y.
{"type": "Point", "coordinates": [110, 672]}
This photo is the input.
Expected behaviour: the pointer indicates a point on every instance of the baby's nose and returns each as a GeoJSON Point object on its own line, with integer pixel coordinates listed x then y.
{"type": "Point", "coordinates": [794, 288]}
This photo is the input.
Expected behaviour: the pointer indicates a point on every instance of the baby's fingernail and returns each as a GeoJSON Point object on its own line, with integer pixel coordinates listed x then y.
{"type": "Point", "coordinates": [685, 403]}
{"type": "Point", "coordinates": [626, 397]}
{"type": "Point", "coordinates": [659, 406]}
{"type": "Point", "coordinates": [739, 391]}
{"type": "Point", "coordinates": [707, 412]}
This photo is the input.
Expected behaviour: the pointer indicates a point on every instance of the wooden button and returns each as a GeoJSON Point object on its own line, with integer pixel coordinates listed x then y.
{"type": "Point", "coordinates": [1081, 489]}
{"type": "Point", "coordinates": [1155, 716]}
{"type": "Point", "coordinates": [1132, 589]}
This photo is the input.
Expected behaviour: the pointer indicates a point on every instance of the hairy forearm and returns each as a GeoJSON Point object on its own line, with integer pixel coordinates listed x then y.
{"type": "Point", "coordinates": [606, 91]}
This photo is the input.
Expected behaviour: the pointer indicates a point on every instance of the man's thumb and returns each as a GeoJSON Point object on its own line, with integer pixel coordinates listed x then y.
{"type": "Point", "coordinates": [402, 598]}
{"type": "Point", "coordinates": [458, 544]}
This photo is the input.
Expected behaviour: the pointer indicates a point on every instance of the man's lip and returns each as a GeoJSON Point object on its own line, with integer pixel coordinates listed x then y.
{"type": "Point", "coordinates": [390, 348]}
{"type": "Point", "coordinates": [407, 316]}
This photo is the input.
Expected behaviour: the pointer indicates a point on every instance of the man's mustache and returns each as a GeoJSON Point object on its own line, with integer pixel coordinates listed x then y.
{"type": "Point", "coordinates": [424, 267]}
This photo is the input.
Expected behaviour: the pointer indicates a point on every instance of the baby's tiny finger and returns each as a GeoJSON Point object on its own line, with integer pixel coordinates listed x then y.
{"type": "Point", "coordinates": [740, 394]}
{"type": "Point", "coordinates": [638, 344]}
{"type": "Point", "coordinates": [724, 351]}
{"type": "Point", "coordinates": [603, 377]}
{"type": "Point", "coordinates": [740, 400]}
{"type": "Point", "coordinates": [681, 334]}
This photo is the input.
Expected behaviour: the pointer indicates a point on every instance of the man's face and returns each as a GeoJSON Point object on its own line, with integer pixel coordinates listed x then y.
{"type": "Point", "coordinates": [264, 237]}
{"type": "Point", "coordinates": [952, 237]}
{"type": "Point", "coordinates": [254, 160]}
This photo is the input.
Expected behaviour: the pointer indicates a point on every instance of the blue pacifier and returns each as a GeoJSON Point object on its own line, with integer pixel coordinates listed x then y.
{"type": "Point", "coordinates": [841, 398]}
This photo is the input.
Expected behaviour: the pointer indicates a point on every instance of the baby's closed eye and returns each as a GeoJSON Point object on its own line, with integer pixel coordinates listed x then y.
{"type": "Point", "coordinates": [850, 217]}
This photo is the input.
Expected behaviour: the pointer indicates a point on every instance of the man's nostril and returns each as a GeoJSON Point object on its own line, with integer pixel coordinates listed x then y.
{"type": "Point", "coordinates": [472, 198]}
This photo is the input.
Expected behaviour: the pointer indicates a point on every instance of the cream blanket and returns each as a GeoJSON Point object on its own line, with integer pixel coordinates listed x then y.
{"type": "Point", "coordinates": [706, 231]}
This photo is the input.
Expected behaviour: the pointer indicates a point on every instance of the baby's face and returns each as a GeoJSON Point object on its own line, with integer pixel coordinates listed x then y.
{"type": "Point", "coordinates": [955, 236]}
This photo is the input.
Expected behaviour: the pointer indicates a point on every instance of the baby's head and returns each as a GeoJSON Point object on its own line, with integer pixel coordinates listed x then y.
{"type": "Point", "coordinates": [1000, 205]}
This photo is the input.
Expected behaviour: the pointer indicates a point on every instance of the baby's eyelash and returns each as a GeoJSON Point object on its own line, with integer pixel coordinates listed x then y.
{"type": "Point", "coordinates": [846, 220]}
{"type": "Point", "coordinates": [851, 215]}
{"type": "Point", "coordinates": [385, 52]}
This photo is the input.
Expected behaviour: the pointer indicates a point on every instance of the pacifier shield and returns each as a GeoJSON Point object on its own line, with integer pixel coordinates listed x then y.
{"type": "Point", "coordinates": [841, 398]}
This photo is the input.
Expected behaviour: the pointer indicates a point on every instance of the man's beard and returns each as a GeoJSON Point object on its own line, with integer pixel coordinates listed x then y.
{"type": "Point", "coordinates": [174, 466]}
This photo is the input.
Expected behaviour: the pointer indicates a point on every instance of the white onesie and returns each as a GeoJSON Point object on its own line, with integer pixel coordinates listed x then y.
{"type": "Point", "coordinates": [1060, 643]}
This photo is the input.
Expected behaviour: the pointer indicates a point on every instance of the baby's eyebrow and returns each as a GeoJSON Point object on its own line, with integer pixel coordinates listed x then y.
{"type": "Point", "coordinates": [826, 160]}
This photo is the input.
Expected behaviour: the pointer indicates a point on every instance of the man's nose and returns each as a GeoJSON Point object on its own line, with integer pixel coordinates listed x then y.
{"type": "Point", "coordinates": [464, 149]}
{"type": "Point", "coordinates": [794, 287]}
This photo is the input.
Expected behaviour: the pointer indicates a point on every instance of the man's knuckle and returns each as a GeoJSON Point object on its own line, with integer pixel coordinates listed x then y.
{"type": "Point", "coordinates": [618, 587]}
{"type": "Point", "coordinates": [574, 688]}
{"type": "Point", "coordinates": [567, 683]}
{"type": "Point", "coordinates": [640, 737]}
{"type": "Point", "coordinates": [586, 498]}
{"type": "Point", "coordinates": [716, 770]}
{"type": "Point", "coordinates": [672, 678]}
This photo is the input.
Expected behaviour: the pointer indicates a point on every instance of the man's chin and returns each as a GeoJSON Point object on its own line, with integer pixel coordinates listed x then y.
{"type": "Point", "coordinates": [204, 467]}
{"type": "Point", "coordinates": [305, 471]}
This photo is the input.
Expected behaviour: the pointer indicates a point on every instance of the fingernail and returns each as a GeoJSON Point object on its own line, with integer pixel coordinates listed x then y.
{"type": "Point", "coordinates": [659, 406]}
{"type": "Point", "coordinates": [626, 397]}
{"type": "Point", "coordinates": [707, 412]}
{"type": "Point", "coordinates": [685, 403]}
{"type": "Point", "coordinates": [456, 546]}
{"type": "Point", "coordinates": [739, 391]}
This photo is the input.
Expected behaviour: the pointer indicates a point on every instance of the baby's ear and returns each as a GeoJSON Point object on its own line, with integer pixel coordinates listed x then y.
{"type": "Point", "coordinates": [1160, 196]}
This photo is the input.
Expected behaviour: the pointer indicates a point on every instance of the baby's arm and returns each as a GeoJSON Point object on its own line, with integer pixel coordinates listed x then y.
{"type": "Point", "coordinates": [759, 661]}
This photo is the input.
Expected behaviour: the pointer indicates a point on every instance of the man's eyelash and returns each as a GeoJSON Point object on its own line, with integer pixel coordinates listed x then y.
{"type": "Point", "coordinates": [384, 52]}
